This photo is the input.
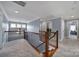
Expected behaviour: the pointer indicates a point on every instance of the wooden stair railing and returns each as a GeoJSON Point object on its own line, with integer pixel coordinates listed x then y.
{"type": "Point", "coordinates": [47, 52]}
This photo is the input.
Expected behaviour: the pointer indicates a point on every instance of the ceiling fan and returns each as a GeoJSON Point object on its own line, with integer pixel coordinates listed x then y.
{"type": "Point", "coordinates": [21, 3]}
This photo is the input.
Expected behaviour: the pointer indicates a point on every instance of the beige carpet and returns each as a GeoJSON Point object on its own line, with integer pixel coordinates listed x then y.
{"type": "Point", "coordinates": [21, 48]}
{"type": "Point", "coordinates": [18, 48]}
{"type": "Point", "coordinates": [68, 48]}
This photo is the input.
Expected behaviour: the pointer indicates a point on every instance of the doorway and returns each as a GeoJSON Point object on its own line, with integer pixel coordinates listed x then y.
{"type": "Point", "coordinates": [71, 31]}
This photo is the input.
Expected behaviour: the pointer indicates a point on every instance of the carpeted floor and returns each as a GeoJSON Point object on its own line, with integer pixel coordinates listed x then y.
{"type": "Point", "coordinates": [21, 48]}
{"type": "Point", "coordinates": [68, 48]}
{"type": "Point", "coordinates": [18, 48]}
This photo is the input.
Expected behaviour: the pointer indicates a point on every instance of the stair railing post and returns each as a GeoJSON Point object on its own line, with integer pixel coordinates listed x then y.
{"type": "Point", "coordinates": [24, 34]}
{"type": "Point", "coordinates": [46, 44]}
{"type": "Point", "coordinates": [56, 39]}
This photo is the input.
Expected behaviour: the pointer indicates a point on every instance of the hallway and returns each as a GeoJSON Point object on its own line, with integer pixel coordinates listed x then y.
{"type": "Point", "coordinates": [39, 22]}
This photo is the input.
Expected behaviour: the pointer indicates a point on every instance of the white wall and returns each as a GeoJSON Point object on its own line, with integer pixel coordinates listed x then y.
{"type": "Point", "coordinates": [0, 30]}
{"type": "Point", "coordinates": [3, 25]}
{"type": "Point", "coordinates": [57, 26]}
{"type": "Point", "coordinates": [33, 26]}
{"type": "Point", "coordinates": [62, 29]}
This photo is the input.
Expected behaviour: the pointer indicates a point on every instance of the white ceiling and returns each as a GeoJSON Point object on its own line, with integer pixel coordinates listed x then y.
{"type": "Point", "coordinates": [43, 9]}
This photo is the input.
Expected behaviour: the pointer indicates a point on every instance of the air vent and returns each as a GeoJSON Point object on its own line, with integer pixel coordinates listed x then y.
{"type": "Point", "coordinates": [21, 3]}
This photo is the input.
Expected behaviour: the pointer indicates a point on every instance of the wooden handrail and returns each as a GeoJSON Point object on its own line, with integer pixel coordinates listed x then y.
{"type": "Point", "coordinates": [13, 31]}
{"type": "Point", "coordinates": [40, 44]}
{"type": "Point", "coordinates": [45, 31]}
{"type": "Point", "coordinates": [32, 32]}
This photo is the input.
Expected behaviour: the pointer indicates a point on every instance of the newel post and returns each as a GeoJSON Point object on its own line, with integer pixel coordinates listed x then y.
{"type": "Point", "coordinates": [46, 44]}
{"type": "Point", "coordinates": [56, 39]}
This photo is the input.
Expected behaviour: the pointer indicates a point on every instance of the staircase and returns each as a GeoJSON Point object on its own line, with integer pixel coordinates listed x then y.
{"type": "Point", "coordinates": [39, 45]}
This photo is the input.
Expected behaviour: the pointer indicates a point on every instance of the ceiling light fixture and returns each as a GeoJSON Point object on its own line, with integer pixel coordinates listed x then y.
{"type": "Point", "coordinates": [72, 16]}
{"type": "Point", "coordinates": [16, 11]}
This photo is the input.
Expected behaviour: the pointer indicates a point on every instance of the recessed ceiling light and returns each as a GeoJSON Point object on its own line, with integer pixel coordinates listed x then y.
{"type": "Point", "coordinates": [72, 16]}
{"type": "Point", "coordinates": [16, 11]}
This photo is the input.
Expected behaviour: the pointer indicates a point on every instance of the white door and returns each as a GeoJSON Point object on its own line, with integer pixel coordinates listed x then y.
{"type": "Point", "coordinates": [73, 32]}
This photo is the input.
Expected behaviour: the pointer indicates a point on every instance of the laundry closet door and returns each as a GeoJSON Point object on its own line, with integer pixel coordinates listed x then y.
{"type": "Point", "coordinates": [73, 29]}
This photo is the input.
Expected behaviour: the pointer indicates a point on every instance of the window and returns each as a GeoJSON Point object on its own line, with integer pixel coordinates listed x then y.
{"type": "Point", "coordinates": [13, 25]}
{"type": "Point", "coordinates": [23, 26]}
{"type": "Point", "coordinates": [18, 25]}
